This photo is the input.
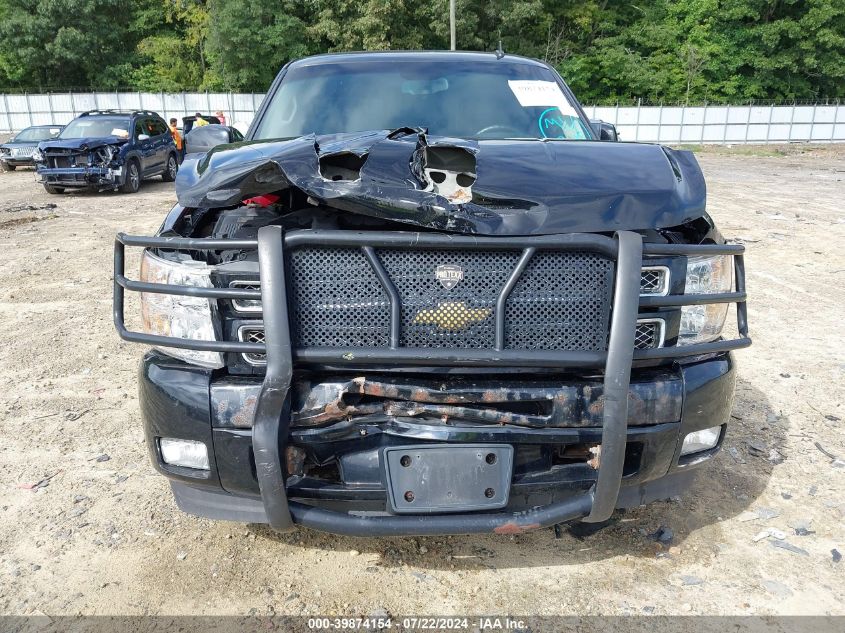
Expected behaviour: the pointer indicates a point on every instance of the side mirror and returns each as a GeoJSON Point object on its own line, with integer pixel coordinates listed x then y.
{"type": "Point", "coordinates": [203, 139]}
{"type": "Point", "coordinates": [604, 131]}
{"type": "Point", "coordinates": [143, 137]}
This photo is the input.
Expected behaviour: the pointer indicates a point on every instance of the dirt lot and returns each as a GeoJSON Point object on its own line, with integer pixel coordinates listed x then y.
{"type": "Point", "coordinates": [101, 534]}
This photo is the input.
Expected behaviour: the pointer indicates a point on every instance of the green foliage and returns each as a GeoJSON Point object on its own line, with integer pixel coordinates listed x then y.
{"type": "Point", "coordinates": [174, 47]}
{"type": "Point", "coordinates": [608, 50]}
{"type": "Point", "coordinates": [45, 43]}
{"type": "Point", "coordinates": [250, 40]}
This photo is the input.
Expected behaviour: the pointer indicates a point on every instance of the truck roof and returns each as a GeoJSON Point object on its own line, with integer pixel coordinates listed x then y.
{"type": "Point", "coordinates": [431, 56]}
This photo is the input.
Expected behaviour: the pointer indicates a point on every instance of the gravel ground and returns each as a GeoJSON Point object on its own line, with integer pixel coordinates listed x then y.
{"type": "Point", "coordinates": [87, 527]}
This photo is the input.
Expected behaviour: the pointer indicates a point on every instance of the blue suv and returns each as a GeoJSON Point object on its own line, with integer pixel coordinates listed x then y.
{"type": "Point", "coordinates": [108, 150]}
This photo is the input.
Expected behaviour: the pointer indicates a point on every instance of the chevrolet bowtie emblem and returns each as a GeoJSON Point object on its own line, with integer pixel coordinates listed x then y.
{"type": "Point", "coordinates": [452, 315]}
{"type": "Point", "coordinates": [449, 275]}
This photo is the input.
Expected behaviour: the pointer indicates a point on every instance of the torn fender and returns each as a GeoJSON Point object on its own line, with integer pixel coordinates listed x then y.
{"type": "Point", "coordinates": [515, 187]}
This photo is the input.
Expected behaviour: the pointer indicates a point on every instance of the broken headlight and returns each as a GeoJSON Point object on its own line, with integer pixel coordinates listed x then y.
{"type": "Point", "coordinates": [705, 275]}
{"type": "Point", "coordinates": [105, 155]}
{"type": "Point", "coordinates": [37, 155]}
{"type": "Point", "coordinates": [177, 315]}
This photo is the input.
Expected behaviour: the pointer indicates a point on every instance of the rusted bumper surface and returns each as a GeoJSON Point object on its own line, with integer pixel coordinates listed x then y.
{"type": "Point", "coordinates": [654, 397]}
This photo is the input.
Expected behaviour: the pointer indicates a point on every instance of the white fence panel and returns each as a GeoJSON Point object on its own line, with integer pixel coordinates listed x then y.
{"type": "Point", "coordinates": [108, 101]}
{"type": "Point", "coordinates": [151, 101]}
{"type": "Point", "coordinates": [659, 124]}
{"type": "Point", "coordinates": [243, 103]}
{"type": "Point", "coordinates": [196, 103]}
{"type": "Point", "coordinates": [82, 102]}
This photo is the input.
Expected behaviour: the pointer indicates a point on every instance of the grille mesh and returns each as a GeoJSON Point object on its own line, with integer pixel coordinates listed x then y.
{"type": "Point", "coordinates": [652, 281]}
{"type": "Point", "coordinates": [338, 300]}
{"type": "Point", "coordinates": [433, 316]}
{"type": "Point", "coordinates": [647, 335]}
{"type": "Point", "coordinates": [246, 305]}
{"type": "Point", "coordinates": [253, 334]}
{"type": "Point", "coordinates": [561, 301]}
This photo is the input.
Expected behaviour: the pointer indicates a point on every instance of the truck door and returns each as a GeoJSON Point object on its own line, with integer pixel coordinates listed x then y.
{"type": "Point", "coordinates": [144, 145]}
{"type": "Point", "coordinates": [161, 142]}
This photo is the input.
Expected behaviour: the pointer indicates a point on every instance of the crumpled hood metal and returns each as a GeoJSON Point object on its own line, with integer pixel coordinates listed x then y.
{"type": "Point", "coordinates": [522, 187]}
{"type": "Point", "coordinates": [83, 144]}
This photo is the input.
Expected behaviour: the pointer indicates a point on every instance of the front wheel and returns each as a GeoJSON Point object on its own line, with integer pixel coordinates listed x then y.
{"type": "Point", "coordinates": [7, 167]}
{"type": "Point", "coordinates": [169, 173]}
{"type": "Point", "coordinates": [53, 190]}
{"type": "Point", "coordinates": [133, 178]}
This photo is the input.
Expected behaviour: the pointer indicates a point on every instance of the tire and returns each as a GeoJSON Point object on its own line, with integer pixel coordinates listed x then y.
{"type": "Point", "coordinates": [171, 169]}
{"type": "Point", "coordinates": [7, 167]}
{"type": "Point", "coordinates": [53, 190]}
{"type": "Point", "coordinates": [133, 178]}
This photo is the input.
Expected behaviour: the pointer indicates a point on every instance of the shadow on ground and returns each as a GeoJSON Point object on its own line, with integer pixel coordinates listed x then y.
{"type": "Point", "coordinates": [726, 486]}
{"type": "Point", "coordinates": [154, 184]}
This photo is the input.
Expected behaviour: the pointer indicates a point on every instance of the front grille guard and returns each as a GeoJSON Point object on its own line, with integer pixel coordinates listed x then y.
{"type": "Point", "coordinates": [272, 415]}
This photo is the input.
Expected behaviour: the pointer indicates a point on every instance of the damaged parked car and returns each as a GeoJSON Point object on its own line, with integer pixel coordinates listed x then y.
{"type": "Point", "coordinates": [18, 150]}
{"type": "Point", "coordinates": [108, 150]}
{"type": "Point", "coordinates": [424, 297]}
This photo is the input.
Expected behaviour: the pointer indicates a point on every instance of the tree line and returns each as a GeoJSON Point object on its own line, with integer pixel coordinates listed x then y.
{"type": "Point", "coordinates": [608, 50]}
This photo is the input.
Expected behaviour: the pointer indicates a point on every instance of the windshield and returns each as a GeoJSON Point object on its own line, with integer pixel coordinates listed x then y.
{"type": "Point", "coordinates": [487, 100]}
{"type": "Point", "coordinates": [36, 134]}
{"type": "Point", "coordinates": [96, 127]}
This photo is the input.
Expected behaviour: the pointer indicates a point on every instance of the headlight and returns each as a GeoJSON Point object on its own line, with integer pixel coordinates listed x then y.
{"type": "Point", "coordinates": [106, 154]}
{"type": "Point", "coordinates": [705, 275]}
{"type": "Point", "coordinates": [5, 151]}
{"type": "Point", "coordinates": [177, 315]}
{"type": "Point", "coordinates": [37, 156]}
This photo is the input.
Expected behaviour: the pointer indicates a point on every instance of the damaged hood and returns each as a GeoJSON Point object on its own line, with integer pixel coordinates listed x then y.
{"type": "Point", "coordinates": [517, 187]}
{"type": "Point", "coordinates": [82, 144]}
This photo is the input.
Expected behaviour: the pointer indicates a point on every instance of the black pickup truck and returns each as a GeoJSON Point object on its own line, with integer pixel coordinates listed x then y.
{"type": "Point", "coordinates": [427, 295]}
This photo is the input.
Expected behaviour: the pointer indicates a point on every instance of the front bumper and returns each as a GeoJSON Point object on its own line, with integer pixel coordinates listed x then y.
{"type": "Point", "coordinates": [17, 162]}
{"type": "Point", "coordinates": [287, 500]}
{"type": "Point", "coordinates": [70, 177]}
{"type": "Point", "coordinates": [181, 401]}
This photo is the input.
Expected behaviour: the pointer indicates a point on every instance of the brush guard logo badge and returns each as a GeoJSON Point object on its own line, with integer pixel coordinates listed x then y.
{"type": "Point", "coordinates": [449, 275]}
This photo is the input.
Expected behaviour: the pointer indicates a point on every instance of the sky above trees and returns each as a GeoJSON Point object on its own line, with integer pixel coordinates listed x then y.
{"type": "Point", "coordinates": [608, 50]}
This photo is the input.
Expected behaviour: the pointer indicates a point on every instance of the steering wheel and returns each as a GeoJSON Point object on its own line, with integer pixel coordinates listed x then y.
{"type": "Point", "coordinates": [508, 130]}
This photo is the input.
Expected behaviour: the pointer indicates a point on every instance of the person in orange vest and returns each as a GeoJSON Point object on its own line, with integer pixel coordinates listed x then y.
{"type": "Point", "coordinates": [177, 138]}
